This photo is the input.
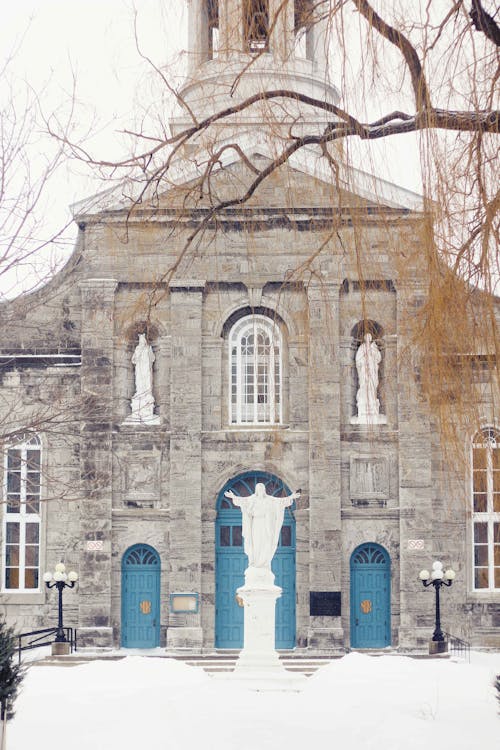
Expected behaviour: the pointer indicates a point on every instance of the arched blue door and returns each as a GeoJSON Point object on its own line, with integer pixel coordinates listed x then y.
{"type": "Point", "coordinates": [370, 597]}
{"type": "Point", "coordinates": [231, 563]}
{"type": "Point", "coordinates": [141, 597]}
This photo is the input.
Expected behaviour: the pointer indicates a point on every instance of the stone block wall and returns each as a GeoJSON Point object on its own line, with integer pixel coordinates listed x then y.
{"type": "Point", "coordinates": [158, 484]}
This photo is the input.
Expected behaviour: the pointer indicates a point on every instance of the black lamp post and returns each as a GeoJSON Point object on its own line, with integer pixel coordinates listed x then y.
{"type": "Point", "coordinates": [59, 580]}
{"type": "Point", "coordinates": [437, 578]}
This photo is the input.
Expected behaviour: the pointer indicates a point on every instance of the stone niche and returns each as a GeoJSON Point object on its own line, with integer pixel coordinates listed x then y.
{"type": "Point", "coordinates": [141, 481]}
{"type": "Point", "coordinates": [369, 480]}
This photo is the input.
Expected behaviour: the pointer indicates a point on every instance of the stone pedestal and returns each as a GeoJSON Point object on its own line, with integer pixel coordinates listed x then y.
{"type": "Point", "coordinates": [142, 410]}
{"type": "Point", "coordinates": [61, 649]}
{"type": "Point", "coordinates": [258, 666]}
{"type": "Point", "coordinates": [369, 419]}
{"type": "Point", "coordinates": [438, 647]}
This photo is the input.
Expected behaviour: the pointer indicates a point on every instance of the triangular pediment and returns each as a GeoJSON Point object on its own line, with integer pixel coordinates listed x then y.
{"type": "Point", "coordinates": [284, 188]}
{"type": "Point", "coordinates": [306, 181]}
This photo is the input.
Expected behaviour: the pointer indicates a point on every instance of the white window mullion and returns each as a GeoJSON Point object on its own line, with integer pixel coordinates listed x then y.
{"type": "Point", "coordinates": [280, 383]}
{"type": "Point", "coordinates": [22, 525]}
{"type": "Point", "coordinates": [239, 380]}
{"type": "Point", "coordinates": [270, 382]}
{"type": "Point", "coordinates": [255, 373]}
{"type": "Point", "coordinates": [22, 553]}
{"type": "Point", "coordinates": [489, 508]}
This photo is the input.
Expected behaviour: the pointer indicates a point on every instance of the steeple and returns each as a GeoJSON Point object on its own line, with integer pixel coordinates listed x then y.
{"type": "Point", "coordinates": [237, 48]}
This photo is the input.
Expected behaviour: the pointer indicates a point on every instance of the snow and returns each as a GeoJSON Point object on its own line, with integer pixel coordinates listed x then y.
{"type": "Point", "coordinates": [358, 702]}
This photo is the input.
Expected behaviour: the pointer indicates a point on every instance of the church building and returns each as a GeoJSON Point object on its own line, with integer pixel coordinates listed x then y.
{"type": "Point", "coordinates": [195, 345]}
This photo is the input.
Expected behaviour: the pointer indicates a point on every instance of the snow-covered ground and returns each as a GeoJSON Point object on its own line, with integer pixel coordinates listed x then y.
{"type": "Point", "coordinates": [354, 703]}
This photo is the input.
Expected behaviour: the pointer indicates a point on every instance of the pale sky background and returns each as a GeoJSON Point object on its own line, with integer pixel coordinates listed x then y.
{"type": "Point", "coordinates": [93, 42]}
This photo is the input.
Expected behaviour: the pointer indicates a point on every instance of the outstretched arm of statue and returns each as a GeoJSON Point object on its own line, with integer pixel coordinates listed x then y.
{"type": "Point", "coordinates": [235, 498]}
{"type": "Point", "coordinates": [291, 498]}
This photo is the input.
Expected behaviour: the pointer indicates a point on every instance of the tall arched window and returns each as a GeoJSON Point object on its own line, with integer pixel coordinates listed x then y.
{"type": "Point", "coordinates": [21, 519]}
{"type": "Point", "coordinates": [255, 371]}
{"type": "Point", "coordinates": [486, 509]}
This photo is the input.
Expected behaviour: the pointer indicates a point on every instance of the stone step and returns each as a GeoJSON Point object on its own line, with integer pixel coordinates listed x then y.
{"type": "Point", "coordinates": [212, 663]}
{"type": "Point", "coordinates": [215, 664]}
{"type": "Point", "coordinates": [58, 662]}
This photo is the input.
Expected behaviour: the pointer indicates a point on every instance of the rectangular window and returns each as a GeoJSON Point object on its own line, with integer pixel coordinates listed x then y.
{"type": "Point", "coordinates": [237, 540]}
{"type": "Point", "coordinates": [21, 521]}
{"type": "Point", "coordinates": [286, 536]}
{"type": "Point", "coordinates": [225, 536]}
{"type": "Point", "coordinates": [486, 510]}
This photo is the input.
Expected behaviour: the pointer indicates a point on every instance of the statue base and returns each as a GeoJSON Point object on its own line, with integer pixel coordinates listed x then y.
{"type": "Point", "coordinates": [259, 666]}
{"type": "Point", "coordinates": [142, 410]}
{"type": "Point", "coordinates": [369, 419]}
{"type": "Point", "coordinates": [438, 647]}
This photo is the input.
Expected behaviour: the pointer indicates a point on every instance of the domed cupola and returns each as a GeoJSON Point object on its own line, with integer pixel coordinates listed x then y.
{"type": "Point", "coordinates": [238, 48]}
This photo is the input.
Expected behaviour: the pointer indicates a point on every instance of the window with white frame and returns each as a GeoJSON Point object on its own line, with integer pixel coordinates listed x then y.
{"type": "Point", "coordinates": [21, 518]}
{"type": "Point", "coordinates": [486, 509]}
{"type": "Point", "coordinates": [255, 371]}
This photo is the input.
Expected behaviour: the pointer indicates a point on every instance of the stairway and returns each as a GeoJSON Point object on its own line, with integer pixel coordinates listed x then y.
{"type": "Point", "coordinates": [217, 662]}
{"type": "Point", "coordinates": [220, 662]}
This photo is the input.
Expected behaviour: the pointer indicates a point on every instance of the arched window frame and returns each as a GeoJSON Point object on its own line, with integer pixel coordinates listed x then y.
{"type": "Point", "coordinates": [485, 504]}
{"type": "Point", "coordinates": [247, 396]}
{"type": "Point", "coordinates": [21, 538]}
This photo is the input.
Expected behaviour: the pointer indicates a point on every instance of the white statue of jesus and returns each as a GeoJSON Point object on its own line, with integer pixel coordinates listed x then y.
{"type": "Point", "coordinates": [262, 521]}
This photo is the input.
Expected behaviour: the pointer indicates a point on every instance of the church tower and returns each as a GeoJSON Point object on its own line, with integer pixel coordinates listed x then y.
{"type": "Point", "coordinates": [238, 48]}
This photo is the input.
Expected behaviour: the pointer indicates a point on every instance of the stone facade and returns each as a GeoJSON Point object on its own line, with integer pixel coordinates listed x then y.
{"type": "Point", "coordinates": [109, 484]}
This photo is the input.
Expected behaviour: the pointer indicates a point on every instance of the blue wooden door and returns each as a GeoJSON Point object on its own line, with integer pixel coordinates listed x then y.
{"type": "Point", "coordinates": [231, 562]}
{"type": "Point", "coordinates": [140, 597]}
{"type": "Point", "coordinates": [370, 597]}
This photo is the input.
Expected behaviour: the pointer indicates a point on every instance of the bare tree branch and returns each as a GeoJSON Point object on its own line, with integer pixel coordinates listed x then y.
{"type": "Point", "coordinates": [482, 21]}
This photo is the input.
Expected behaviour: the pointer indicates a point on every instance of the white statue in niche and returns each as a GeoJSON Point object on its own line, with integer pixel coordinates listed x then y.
{"type": "Point", "coordinates": [262, 521]}
{"type": "Point", "coordinates": [368, 358]}
{"type": "Point", "coordinates": [143, 402]}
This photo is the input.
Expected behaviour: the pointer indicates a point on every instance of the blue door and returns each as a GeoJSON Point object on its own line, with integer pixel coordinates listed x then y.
{"type": "Point", "coordinates": [231, 563]}
{"type": "Point", "coordinates": [141, 597]}
{"type": "Point", "coordinates": [370, 597]}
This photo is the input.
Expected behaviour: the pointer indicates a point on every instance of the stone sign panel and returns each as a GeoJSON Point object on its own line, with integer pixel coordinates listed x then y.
{"type": "Point", "coordinates": [141, 481]}
{"type": "Point", "coordinates": [369, 477]}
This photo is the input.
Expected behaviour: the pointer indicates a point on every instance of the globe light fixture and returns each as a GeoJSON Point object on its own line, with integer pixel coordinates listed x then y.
{"type": "Point", "coordinates": [59, 580]}
{"type": "Point", "coordinates": [437, 578]}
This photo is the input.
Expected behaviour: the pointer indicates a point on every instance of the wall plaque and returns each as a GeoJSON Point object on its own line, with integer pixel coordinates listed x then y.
{"type": "Point", "coordinates": [141, 480]}
{"type": "Point", "coordinates": [94, 545]}
{"type": "Point", "coordinates": [369, 478]}
{"type": "Point", "coordinates": [416, 544]}
{"type": "Point", "coordinates": [324, 603]}
{"type": "Point", "coordinates": [183, 601]}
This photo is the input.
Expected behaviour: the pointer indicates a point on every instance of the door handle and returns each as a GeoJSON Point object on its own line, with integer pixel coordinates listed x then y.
{"type": "Point", "coordinates": [357, 621]}
{"type": "Point", "coordinates": [154, 623]}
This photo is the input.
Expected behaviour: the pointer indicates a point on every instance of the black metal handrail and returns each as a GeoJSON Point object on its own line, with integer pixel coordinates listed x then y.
{"type": "Point", "coordinates": [43, 635]}
{"type": "Point", "coordinates": [458, 646]}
